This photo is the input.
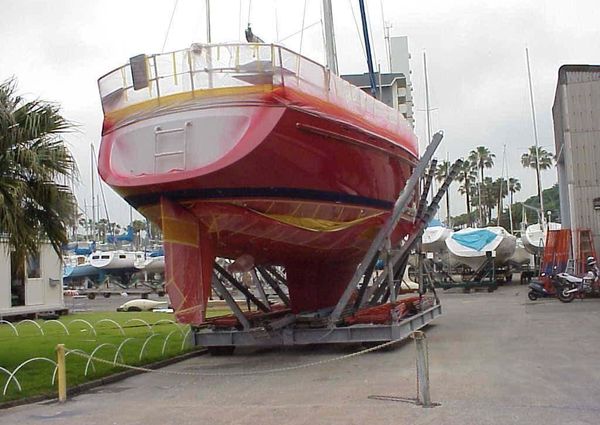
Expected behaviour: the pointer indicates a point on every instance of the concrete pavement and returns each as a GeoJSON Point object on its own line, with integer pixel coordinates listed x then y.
{"type": "Point", "coordinates": [494, 359]}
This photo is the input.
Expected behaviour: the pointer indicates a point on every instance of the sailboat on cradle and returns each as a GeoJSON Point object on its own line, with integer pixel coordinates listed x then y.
{"type": "Point", "coordinates": [252, 151]}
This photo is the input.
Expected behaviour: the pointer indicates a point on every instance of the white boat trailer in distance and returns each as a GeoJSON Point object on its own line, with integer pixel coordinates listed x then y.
{"type": "Point", "coordinates": [327, 325]}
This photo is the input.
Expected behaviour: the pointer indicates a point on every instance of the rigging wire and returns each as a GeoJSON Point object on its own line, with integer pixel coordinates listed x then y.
{"type": "Point", "coordinates": [169, 27]}
{"type": "Point", "coordinates": [386, 36]}
{"type": "Point", "coordinates": [240, 20]}
{"type": "Point", "coordinates": [103, 196]}
{"type": "Point", "coordinates": [299, 31]}
{"type": "Point", "coordinates": [276, 21]}
{"type": "Point", "coordinates": [358, 32]}
{"type": "Point", "coordinates": [302, 31]}
{"type": "Point", "coordinates": [249, 9]}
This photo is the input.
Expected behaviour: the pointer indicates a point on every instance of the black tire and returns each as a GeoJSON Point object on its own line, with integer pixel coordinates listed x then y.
{"type": "Point", "coordinates": [225, 350]}
{"type": "Point", "coordinates": [161, 294]}
{"type": "Point", "coordinates": [532, 296]}
{"type": "Point", "coordinates": [106, 295]}
{"type": "Point", "coordinates": [91, 296]}
{"type": "Point", "coordinates": [566, 298]}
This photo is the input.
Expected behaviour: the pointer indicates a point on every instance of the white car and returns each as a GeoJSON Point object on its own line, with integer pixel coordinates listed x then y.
{"type": "Point", "coordinates": [142, 305]}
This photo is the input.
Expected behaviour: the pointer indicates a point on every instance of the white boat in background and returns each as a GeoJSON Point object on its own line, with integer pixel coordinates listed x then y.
{"type": "Point", "coordinates": [434, 238]}
{"type": "Point", "coordinates": [115, 260]}
{"type": "Point", "coordinates": [521, 255]}
{"type": "Point", "coordinates": [151, 264]}
{"type": "Point", "coordinates": [534, 237]}
{"type": "Point", "coordinates": [469, 246]}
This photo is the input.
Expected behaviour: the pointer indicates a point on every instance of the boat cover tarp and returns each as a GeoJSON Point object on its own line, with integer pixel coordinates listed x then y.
{"type": "Point", "coordinates": [476, 239]}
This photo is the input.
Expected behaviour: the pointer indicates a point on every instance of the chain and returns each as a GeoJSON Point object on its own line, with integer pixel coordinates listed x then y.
{"type": "Point", "coordinates": [261, 372]}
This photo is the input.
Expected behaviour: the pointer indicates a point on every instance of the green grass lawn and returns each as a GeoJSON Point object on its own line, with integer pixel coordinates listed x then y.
{"type": "Point", "coordinates": [35, 378]}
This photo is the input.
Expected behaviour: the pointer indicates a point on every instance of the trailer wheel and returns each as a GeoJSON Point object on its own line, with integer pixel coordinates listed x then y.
{"type": "Point", "coordinates": [224, 350]}
{"type": "Point", "coordinates": [106, 295]}
{"type": "Point", "coordinates": [161, 293]}
{"type": "Point", "coordinates": [91, 296]}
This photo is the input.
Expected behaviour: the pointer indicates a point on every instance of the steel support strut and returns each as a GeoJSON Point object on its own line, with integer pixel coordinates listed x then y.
{"type": "Point", "coordinates": [240, 287]}
{"type": "Point", "coordinates": [401, 255]}
{"type": "Point", "coordinates": [378, 243]}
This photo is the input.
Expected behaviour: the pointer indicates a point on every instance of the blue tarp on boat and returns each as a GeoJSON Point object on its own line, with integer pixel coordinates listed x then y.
{"type": "Point", "coordinates": [476, 239]}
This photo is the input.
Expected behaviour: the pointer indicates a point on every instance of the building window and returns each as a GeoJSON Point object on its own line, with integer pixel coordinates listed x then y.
{"type": "Point", "coordinates": [34, 270]}
{"type": "Point", "coordinates": [596, 203]}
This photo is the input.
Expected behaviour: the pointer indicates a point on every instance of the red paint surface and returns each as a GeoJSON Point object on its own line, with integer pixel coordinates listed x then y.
{"type": "Point", "coordinates": [275, 152]}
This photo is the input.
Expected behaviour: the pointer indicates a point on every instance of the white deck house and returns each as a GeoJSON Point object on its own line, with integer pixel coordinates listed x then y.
{"type": "Point", "coordinates": [34, 288]}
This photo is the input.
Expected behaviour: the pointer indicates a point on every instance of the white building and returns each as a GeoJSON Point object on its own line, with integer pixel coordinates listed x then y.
{"type": "Point", "coordinates": [394, 88]}
{"type": "Point", "coordinates": [400, 64]}
{"type": "Point", "coordinates": [34, 288]}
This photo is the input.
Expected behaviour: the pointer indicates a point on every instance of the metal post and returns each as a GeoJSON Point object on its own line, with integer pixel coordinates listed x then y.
{"type": "Point", "coordinates": [62, 373]}
{"type": "Point", "coordinates": [390, 271]}
{"type": "Point", "coordinates": [329, 37]}
{"type": "Point", "coordinates": [423, 396]}
{"type": "Point", "coordinates": [240, 287]}
{"type": "Point", "coordinates": [363, 17]}
{"type": "Point", "coordinates": [274, 285]}
{"type": "Point", "coordinates": [237, 311]}
{"type": "Point", "coordinates": [261, 291]}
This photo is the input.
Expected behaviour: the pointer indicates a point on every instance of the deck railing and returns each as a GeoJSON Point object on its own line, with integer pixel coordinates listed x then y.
{"type": "Point", "coordinates": [210, 70]}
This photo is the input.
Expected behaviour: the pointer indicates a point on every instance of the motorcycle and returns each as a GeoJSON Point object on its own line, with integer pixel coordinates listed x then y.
{"type": "Point", "coordinates": [573, 286]}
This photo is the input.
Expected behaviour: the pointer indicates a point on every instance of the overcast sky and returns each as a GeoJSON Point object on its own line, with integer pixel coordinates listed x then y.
{"type": "Point", "coordinates": [475, 49]}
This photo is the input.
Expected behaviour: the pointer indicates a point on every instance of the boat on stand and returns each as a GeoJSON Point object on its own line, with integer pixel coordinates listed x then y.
{"type": "Point", "coordinates": [472, 247]}
{"type": "Point", "coordinates": [187, 138]}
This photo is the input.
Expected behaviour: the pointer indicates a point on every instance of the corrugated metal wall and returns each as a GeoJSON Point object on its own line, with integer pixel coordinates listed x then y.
{"type": "Point", "coordinates": [583, 163]}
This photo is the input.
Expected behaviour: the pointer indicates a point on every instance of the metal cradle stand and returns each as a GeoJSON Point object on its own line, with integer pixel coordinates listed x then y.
{"type": "Point", "coordinates": [278, 326]}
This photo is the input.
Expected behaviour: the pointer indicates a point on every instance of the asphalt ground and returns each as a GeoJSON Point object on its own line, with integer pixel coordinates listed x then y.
{"type": "Point", "coordinates": [494, 359]}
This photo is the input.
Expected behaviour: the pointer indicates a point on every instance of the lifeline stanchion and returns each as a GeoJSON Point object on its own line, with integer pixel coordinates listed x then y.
{"type": "Point", "coordinates": [62, 373]}
{"type": "Point", "coordinates": [423, 396]}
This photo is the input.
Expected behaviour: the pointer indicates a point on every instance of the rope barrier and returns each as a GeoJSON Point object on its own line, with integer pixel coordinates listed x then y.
{"type": "Point", "coordinates": [225, 374]}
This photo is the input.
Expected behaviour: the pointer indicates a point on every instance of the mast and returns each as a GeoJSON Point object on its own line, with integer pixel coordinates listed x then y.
{"type": "Point", "coordinates": [208, 38]}
{"type": "Point", "coordinates": [93, 226]}
{"type": "Point", "coordinates": [363, 17]}
{"type": "Point", "coordinates": [330, 50]}
{"type": "Point", "coordinates": [427, 108]}
{"type": "Point", "coordinates": [537, 146]}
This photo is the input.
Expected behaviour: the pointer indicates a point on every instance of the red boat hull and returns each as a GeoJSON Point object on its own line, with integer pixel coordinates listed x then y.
{"type": "Point", "coordinates": [306, 187]}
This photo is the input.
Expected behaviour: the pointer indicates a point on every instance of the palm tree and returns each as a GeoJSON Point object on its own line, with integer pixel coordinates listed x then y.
{"type": "Point", "coordinates": [481, 157]}
{"type": "Point", "coordinates": [36, 203]}
{"type": "Point", "coordinates": [138, 226]}
{"type": "Point", "coordinates": [513, 187]}
{"type": "Point", "coordinates": [530, 159]}
{"type": "Point", "coordinates": [466, 176]}
{"type": "Point", "coordinates": [441, 173]}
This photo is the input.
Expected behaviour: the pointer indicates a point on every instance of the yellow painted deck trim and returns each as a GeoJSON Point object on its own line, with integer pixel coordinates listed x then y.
{"type": "Point", "coordinates": [176, 98]}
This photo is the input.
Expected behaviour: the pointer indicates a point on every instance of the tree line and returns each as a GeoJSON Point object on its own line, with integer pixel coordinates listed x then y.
{"type": "Point", "coordinates": [484, 194]}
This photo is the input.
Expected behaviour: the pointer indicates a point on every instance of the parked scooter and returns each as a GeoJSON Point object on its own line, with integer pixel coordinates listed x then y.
{"type": "Point", "coordinates": [537, 290]}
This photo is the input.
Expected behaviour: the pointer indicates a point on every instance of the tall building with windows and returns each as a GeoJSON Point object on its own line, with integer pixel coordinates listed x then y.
{"type": "Point", "coordinates": [394, 88]}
